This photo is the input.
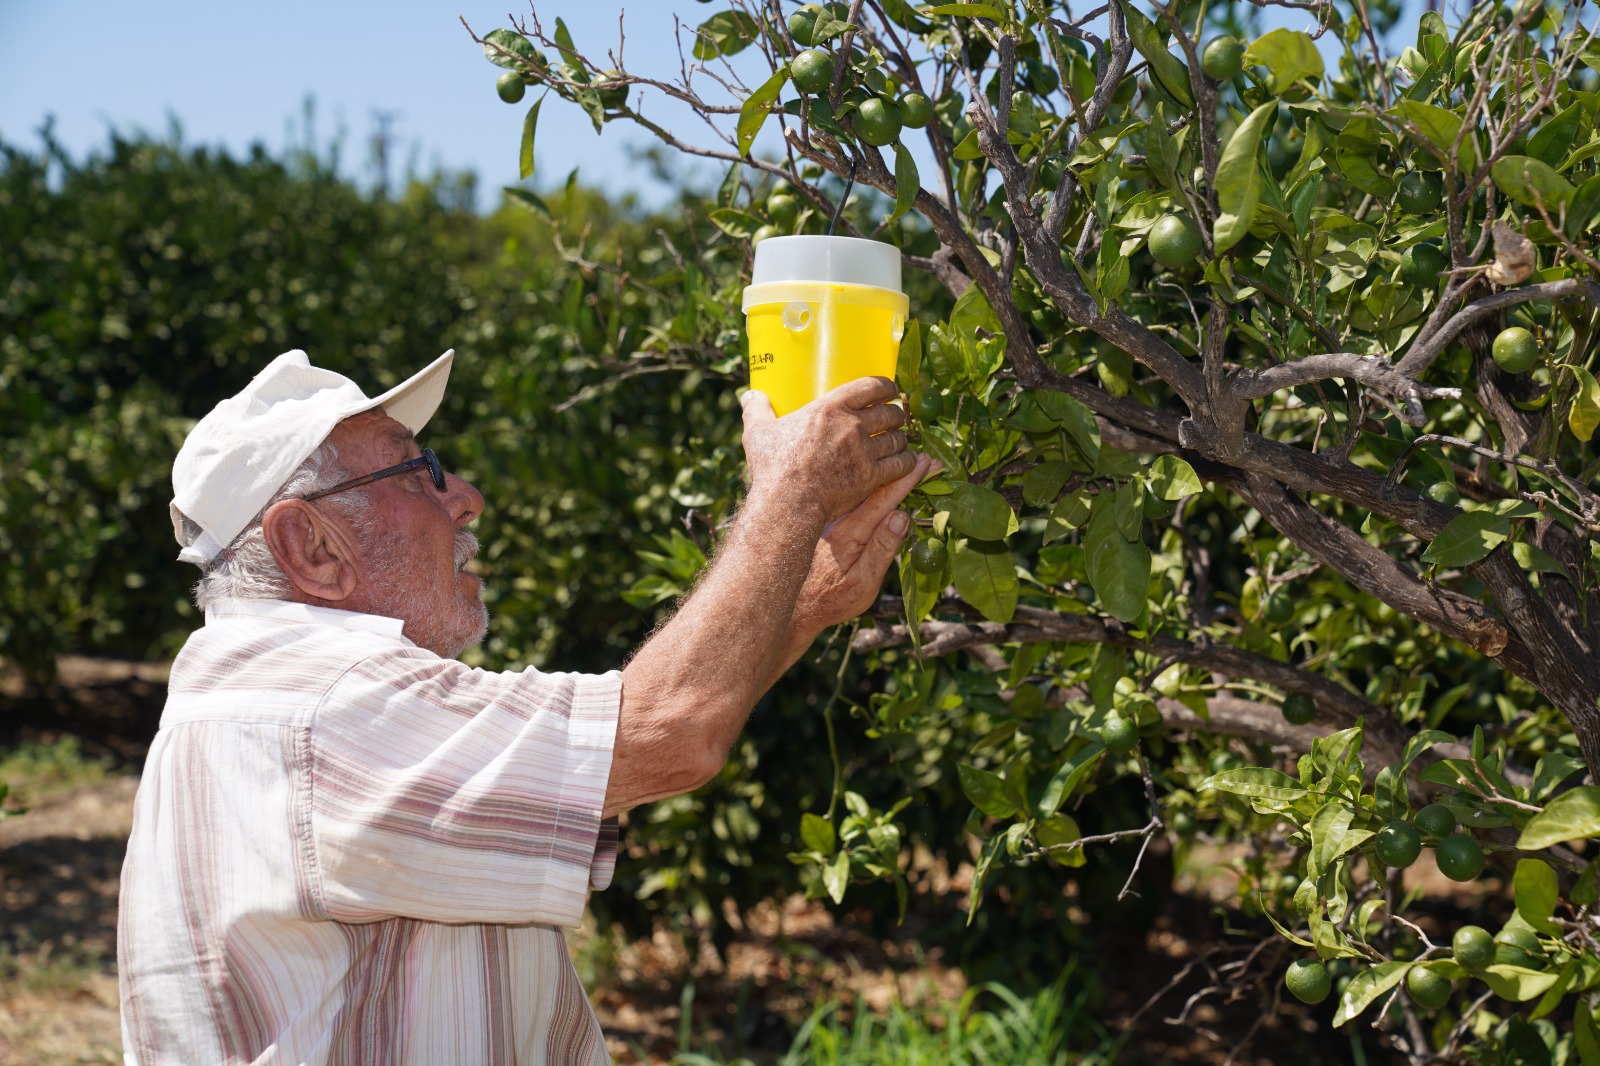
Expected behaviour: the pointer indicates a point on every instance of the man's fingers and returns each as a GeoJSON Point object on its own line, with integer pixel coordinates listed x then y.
{"type": "Point", "coordinates": [855, 527]}
{"type": "Point", "coordinates": [886, 444]}
{"type": "Point", "coordinates": [881, 417]}
{"type": "Point", "coordinates": [864, 392]}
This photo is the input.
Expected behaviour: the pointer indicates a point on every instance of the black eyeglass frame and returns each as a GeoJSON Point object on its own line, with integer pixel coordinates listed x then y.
{"type": "Point", "coordinates": [427, 458]}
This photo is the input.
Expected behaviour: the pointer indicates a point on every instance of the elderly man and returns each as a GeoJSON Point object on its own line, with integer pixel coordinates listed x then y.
{"type": "Point", "coordinates": [349, 847]}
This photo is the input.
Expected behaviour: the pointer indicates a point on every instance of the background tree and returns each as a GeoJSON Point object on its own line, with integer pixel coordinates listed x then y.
{"type": "Point", "coordinates": [1265, 397]}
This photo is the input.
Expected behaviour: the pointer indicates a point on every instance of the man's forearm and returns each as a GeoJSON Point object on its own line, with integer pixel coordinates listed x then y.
{"type": "Point", "coordinates": [689, 690]}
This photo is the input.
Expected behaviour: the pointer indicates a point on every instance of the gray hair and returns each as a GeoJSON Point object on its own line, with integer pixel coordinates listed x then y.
{"type": "Point", "coordinates": [246, 570]}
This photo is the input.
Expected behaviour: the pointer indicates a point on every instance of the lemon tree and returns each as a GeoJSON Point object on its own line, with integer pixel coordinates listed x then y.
{"type": "Point", "coordinates": [1224, 434]}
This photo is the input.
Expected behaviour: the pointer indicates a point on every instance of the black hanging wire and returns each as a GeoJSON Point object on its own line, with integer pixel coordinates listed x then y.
{"type": "Point", "coordinates": [838, 210]}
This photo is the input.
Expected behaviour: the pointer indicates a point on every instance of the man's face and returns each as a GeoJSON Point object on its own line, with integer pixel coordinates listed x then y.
{"type": "Point", "coordinates": [415, 543]}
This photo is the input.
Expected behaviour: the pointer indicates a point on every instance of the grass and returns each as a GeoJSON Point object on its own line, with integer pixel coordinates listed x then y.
{"type": "Point", "coordinates": [33, 769]}
{"type": "Point", "coordinates": [990, 1025]}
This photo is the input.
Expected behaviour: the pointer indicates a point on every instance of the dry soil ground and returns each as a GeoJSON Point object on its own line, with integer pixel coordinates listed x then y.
{"type": "Point", "coordinates": [59, 867]}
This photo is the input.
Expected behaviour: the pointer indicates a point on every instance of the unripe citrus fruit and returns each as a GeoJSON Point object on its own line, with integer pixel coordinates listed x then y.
{"type": "Point", "coordinates": [1428, 990]}
{"type": "Point", "coordinates": [1174, 241]}
{"type": "Point", "coordinates": [927, 404]}
{"type": "Point", "coordinates": [916, 110]}
{"type": "Point", "coordinates": [1516, 350]}
{"type": "Point", "coordinates": [1518, 947]}
{"type": "Point", "coordinates": [1299, 709]}
{"type": "Point", "coordinates": [877, 122]}
{"type": "Point", "coordinates": [1397, 844]}
{"type": "Point", "coordinates": [928, 556]}
{"type": "Point", "coordinates": [1119, 734]}
{"type": "Point", "coordinates": [615, 97]}
{"type": "Point", "coordinates": [1421, 264]}
{"type": "Point", "coordinates": [1182, 823]}
{"type": "Point", "coordinates": [812, 71]}
{"type": "Point", "coordinates": [1436, 820]}
{"type": "Point", "coordinates": [762, 234]}
{"type": "Point", "coordinates": [1420, 192]}
{"type": "Point", "coordinates": [1473, 948]}
{"type": "Point", "coordinates": [1459, 857]}
{"type": "Point", "coordinates": [803, 25]}
{"type": "Point", "coordinates": [1308, 980]}
{"type": "Point", "coordinates": [510, 86]}
{"type": "Point", "coordinates": [783, 209]}
{"type": "Point", "coordinates": [1223, 58]}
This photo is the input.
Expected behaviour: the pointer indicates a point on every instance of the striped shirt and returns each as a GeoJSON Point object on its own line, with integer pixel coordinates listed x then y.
{"type": "Point", "coordinates": [347, 849]}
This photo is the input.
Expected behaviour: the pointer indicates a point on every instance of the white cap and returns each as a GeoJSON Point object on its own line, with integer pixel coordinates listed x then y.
{"type": "Point", "coordinates": [240, 454]}
{"type": "Point", "coordinates": [840, 260]}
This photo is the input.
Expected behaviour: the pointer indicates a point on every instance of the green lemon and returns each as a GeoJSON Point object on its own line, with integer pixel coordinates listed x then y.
{"type": "Point", "coordinates": [1308, 980]}
{"type": "Point", "coordinates": [1397, 844]}
{"type": "Point", "coordinates": [1175, 241]}
{"type": "Point", "coordinates": [1459, 857]}
{"type": "Point", "coordinates": [1515, 946]}
{"type": "Point", "coordinates": [1428, 990]}
{"type": "Point", "coordinates": [1182, 823]}
{"type": "Point", "coordinates": [510, 86]}
{"type": "Point", "coordinates": [1421, 264]}
{"type": "Point", "coordinates": [1119, 734]}
{"type": "Point", "coordinates": [916, 110]}
{"type": "Point", "coordinates": [783, 209]}
{"type": "Point", "coordinates": [1421, 193]}
{"type": "Point", "coordinates": [1299, 709]}
{"type": "Point", "coordinates": [614, 97]}
{"type": "Point", "coordinates": [877, 122]}
{"type": "Point", "coordinates": [812, 71]}
{"type": "Point", "coordinates": [762, 234]}
{"type": "Point", "coordinates": [1223, 58]}
{"type": "Point", "coordinates": [1435, 820]}
{"type": "Point", "coordinates": [803, 25]}
{"type": "Point", "coordinates": [928, 556]}
{"type": "Point", "coordinates": [1516, 350]}
{"type": "Point", "coordinates": [1473, 948]}
{"type": "Point", "coordinates": [927, 404]}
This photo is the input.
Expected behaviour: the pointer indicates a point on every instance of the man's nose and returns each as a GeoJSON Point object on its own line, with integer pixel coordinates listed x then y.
{"type": "Point", "coordinates": [466, 502]}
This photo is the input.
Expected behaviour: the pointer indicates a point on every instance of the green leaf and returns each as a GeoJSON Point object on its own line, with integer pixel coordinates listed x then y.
{"type": "Point", "coordinates": [817, 832]}
{"type": "Point", "coordinates": [976, 11]}
{"type": "Point", "coordinates": [753, 112]}
{"type": "Point", "coordinates": [1584, 417]}
{"type": "Point", "coordinates": [908, 364]}
{"type": "Point", "coordinates": [1535, 560]}
{"type": "Point", "coordinates": [979, 512]}
{"type": "Point", "coordinates": [1420, 743]}
{"type": "Point", "coordinates": [1367, 986]}
{"type": "Point", "coordinates": [1072, 773]}
{"type": "Point", "coordinates": [1356, 150]}
{"type": "Point", "coordinates": [1119, 569]}
{"type": "Point", "coordinates": [724, 34]}
{"type": "Point", "coordinates": [1172, 479]}
{"type": "Point", "coordinates": [1531, 181]}
{"type": "Point", "coordinates": [836, 876]}
{"type": "Point", "coordinates": [988, 791]}
{"type": "Point", "coordinates": [1553, 139]}
{"type": "Point", "coordinates": [1535, 890]}
{"type": "Point", "coordinates": [1167, 68]}
{"type": "Point", "coordinates": [907, 183]}
{"type": "Point", "coordinates": [1069, 513]}
{"type": "Point", "coordinates": [986, 577]}
{"type": "Point", "coordinates": [735, 223]}
{"type": "Point", "coordinates": [1573, 815]}
{"type": "Point", "coordinates": [1439, 128]}
{"type": "Point", "coordinates": [1239, 178]}
{"type": "Point", "coordinates": [1330, 835]}
{"type": "Point", "coordinates": [1257, 782]}
{"type": "Point", "coordinates": [1289, 55]}
{"type": "Point", "coordinates": [1550, 771]}
{"type": "Point", "coordinates": [496, 43]}
{"type": "Point", "coordinates": [1077, 420]}
{"type": "Point", "coordinates": [1042, 484]}
{"type": "Point", "coordinates": [525, 154]}
{"type": "Point", "coordinates": [1516, 983]}
{"type": "Point", "coordinates": [1466, 538]}
{"type": "Point", "coordinates": [528, 199]}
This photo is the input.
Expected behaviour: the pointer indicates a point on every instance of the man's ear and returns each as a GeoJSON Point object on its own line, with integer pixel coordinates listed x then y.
{"type": "Point", "coordinates": [315, 553]}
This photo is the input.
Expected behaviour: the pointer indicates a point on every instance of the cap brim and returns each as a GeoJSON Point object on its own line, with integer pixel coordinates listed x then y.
{"type": "Point", "coordinates": [413, 401]}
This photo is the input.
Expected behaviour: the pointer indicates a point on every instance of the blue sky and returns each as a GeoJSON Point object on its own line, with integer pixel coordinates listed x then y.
{"type": "Point", "coordinates": [234, 74]}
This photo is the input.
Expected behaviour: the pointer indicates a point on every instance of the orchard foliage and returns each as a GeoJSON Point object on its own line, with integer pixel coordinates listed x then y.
{"type": "Point", "coordinates": [1241, 466]}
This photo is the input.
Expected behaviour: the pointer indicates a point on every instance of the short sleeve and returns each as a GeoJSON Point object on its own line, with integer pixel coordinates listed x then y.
{"type": "Point", "coordinates": [448, 794]}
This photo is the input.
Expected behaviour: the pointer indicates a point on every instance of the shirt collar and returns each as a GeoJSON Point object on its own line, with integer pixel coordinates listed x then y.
{"type": "Point", "coordinates": [303, 613]}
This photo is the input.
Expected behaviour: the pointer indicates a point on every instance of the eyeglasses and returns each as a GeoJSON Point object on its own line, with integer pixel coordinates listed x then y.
{"type": "Point", "coordinates": [427, 458]}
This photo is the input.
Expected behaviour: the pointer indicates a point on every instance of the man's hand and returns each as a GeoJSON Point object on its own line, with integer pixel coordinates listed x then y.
{"type": "Point", "coordinates": [833, 452]}
{"type": "Point", "coordinates": [853, 555]}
